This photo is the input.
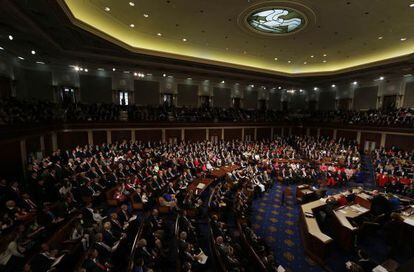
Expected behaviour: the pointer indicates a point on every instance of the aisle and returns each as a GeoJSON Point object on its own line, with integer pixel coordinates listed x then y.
{"type": "Point", "coordinates": [279, 226]}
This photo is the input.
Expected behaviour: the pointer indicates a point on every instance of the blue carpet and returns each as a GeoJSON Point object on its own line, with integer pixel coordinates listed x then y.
{"type": "Point", "coordinates": [278, 225]}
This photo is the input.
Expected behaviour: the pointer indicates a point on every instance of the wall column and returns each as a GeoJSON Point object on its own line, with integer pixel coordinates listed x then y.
{"type": "Point", "coordinates": [90, 137]}
{"type": "Point", "coordinates": [42, 144]}
{"type": "Point", "coordinates": [242, 136]}
{"type": "Point", "coordinates": [133, 135]}
{"type": "Point", "coordinates": [54, 141]}
{"type": "Point", "coordinates": [108, 137]}
{"type": "Point", "coordinates": [207, 134]}
{"type": "Point", "coordinates": [222, 133]}
{"type": "Point", "coordinates": [23, 155]}
{"type": "Point", "coordinates": [334, 133]}
{"type": "Point", "coordinates": [383, 139]}
{"type": "Point", "coordinates": [163, 135]}
{"type": "Point", "coordinates": [358, 137]}
{"type": "Point", "coordinates": [255, 134]}
{"type": "Point", "coordinates": [182, 134]}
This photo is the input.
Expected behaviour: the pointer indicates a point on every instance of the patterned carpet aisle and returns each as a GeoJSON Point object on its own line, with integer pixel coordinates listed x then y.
{"type": "Point", "coordinates": [279, 226]}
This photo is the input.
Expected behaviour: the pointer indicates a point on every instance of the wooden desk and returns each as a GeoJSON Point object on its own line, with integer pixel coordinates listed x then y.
{"type": "Point", "coordinates": [316, 243]}
{"type": "Point", "coordinates": [344, 231]}
{"type": "Point", "coordinates": [304, 193]}
{"type": "Point", "coordinates": [193, 185]}
{"type": "Point", "coordinates": [222, 171]}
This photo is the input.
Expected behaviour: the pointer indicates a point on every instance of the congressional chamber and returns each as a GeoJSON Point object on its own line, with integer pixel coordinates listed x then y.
{"type": "Point", "coordinates": [199, 136]}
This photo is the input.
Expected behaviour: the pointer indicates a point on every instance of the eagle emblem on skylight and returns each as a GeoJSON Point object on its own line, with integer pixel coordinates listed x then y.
{"type": "Point", "coordinates": [276, 20]}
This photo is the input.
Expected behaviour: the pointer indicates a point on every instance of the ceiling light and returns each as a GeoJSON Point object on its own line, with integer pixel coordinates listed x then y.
{"type": "Point", "coordinates": [100, 69]}
{"type": "Point", "coordinates": [107, 9]}
{"type": "Point", "coordinates": [381, 78]}
{"type": "Point", "coordinates": [355, 82]}
{"type": "Point", "coordinates": [301, 91]}
{"type": "Point", "coordinates": [380, 38]}
{"type": "Point", "coordinates": [222, 82]}
{"type": "Point", "coordinates": [135, 74]}
{"type": "Point", "coordinates": [275, 58]}
{"type": "Point", "coordinates": [21, 58]}
{"type": "Point", "coordinates": [164, 75]}
{"type": "Point", "coordinates": [40, 62]}
{"type": "Point", "coordinates": [312, 56]}
{"type": "Point", "coordinates": [324, 61]}
{"type": "Point", "coordinates": [324, 55]}
{"type": "Point", "coordinates": [1, 48]}
{"type": "Point", "coordinates": [184, 39]}
{"type": "Point", "coordinates": [132, 25]}
{"type": "Point", "coordinates": [289, 61]}
{"type": "Point", "coordinates": [315, 88]}
{"type": "Point", "coordinates": [305, 62]}
{"type": "Point", "coordinates": [403, 39]}
{"type": "Point", "coordinates": [280, 87]}
{"type": "Point", "coordinates": [189, 78]}
{"type": "Point", "coordinates": [132, 4]}
{"type": "Point", "coordinates": [86, 70]}
{"type": "Point", "coordinates": [10, 37]}
{"type": "Point", "coordinates": [113, 69]}
{"type": "Point", "coordinates": [412, 5]}
{"type": "Point", "coordinates": [333, 85]}
{"type": "Point", "coordinates": [81, 68]}
{"type": "Point", "coordinates": [33, 52]}
{"type": "Point", "coordinates": [146, 15]}
{"type": "Point", "coordinates": [159, 34]}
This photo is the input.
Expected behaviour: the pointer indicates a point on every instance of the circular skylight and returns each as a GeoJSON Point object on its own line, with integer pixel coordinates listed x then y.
{"type": "Point", "coordinates": [276, 21]}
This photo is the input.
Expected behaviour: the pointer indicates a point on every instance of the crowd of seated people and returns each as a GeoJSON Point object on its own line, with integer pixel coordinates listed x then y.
{"type": "Point", "coordinates": [95, 187]}
{"type": "Point", "coordinates": [394, 170]}
{"type": "Point", "coordinates": [14, 111]}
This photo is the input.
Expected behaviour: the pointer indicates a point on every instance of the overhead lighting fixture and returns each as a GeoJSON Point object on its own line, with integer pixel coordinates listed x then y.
{"type": "Point", "coordinates": [21, 58]}
{"type": "Point", "coordinates": [33, 52]}
{"type": "Point", "coordinates": [113, 69]}
{"type": "Point", "coordinates": [86, 70]}
{"type": "Point", "coordinates": [333, 86]}
{"type": "Point", "coordinates": [276, 58]}
{"type": "Point", "coordinates": [164, 75]}
{"type": "Point", "coordinates": [312, 56]}
{"type": "Point", "coordinates": [107, 9]}
{"type": "Point", "coordinates": [305, 62]}
{"type": "Point", "coordinates": [324, 61]}
{"type": "Point", "coordinates": [315, 88]}
{"type": "Point", "coordinates": [189, 78]}
{"type": "Point", "coordinates": [380, 38]}
{"type": "Point", "coordinates": [222, 82]}
{"type": "Point", "coordinates": [132, 4]}
{"type": "Point", "coordinates": [184, 39]}
{"type": "Point", "coordinates": [81, 69]}
{"type": "Point", "coordinates": [159, 34]}
{"type": "Point", "coordinates": [40, 62]}
{"type": "Point", "coordinates": [355, 82]}
{"type": "Point", "coordinates": [289, 61]}
{"type": "Point", "coordinates": [132, 25]}
{"type": "Point", "coordinates": [76, 68]}
{"type": "Point", "coordinates": [11, 37]}
{"type": "Point", "coordinates": [1, 48]}
{"type": "Point", "coordinates": [381, 78]}
{"type": "Point", "coordinates": [100, 69]}
{"type": "Point", "coordinates": [412, 5]}
{"type": "Point", "coordinates": [403, 39]}
{"type": "Point", "coordinates": [135, 74]}
{"type": "Point", "coordinates": [280, 87]}
{"type": "Point", "coordinates": [325, 55]}
{"type": "Point", "coordinates": [146, 15]}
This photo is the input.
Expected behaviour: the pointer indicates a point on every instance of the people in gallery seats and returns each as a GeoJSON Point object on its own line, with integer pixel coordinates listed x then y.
{"type": "Point", "coordinates": [17, 111]}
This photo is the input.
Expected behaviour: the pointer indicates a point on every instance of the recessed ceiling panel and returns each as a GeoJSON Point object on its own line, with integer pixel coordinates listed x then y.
{"type": "Point", "coordinates": [300, 37]}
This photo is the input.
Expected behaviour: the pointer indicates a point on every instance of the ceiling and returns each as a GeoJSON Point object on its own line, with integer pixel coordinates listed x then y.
{"type": "Point", "coordinates": [339, 36]}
